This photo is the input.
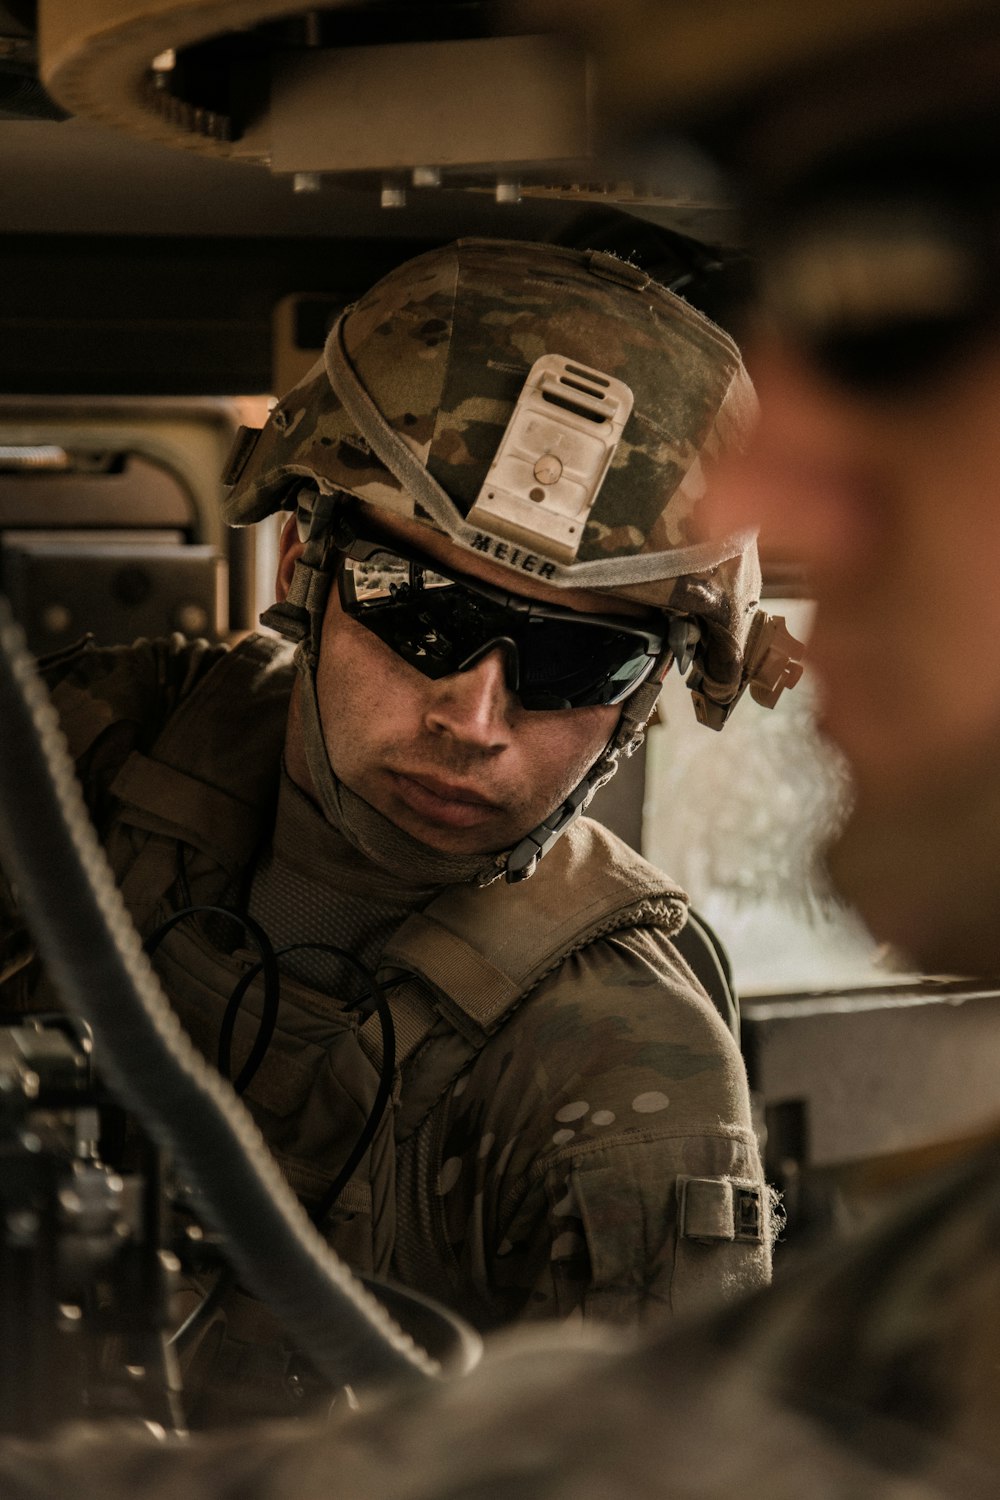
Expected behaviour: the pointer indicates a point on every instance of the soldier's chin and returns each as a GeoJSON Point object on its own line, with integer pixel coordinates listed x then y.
{"type": "Point", "coordinates": [923, 867]}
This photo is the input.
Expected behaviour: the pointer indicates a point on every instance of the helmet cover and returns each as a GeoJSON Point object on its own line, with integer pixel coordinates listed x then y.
{"type": "Point", "coordinates": [431, 363]}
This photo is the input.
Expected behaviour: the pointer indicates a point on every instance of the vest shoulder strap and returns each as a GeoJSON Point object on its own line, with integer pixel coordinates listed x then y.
{"type": "Point", "coordinates": [207, 780]}
{"type": "Point", "coordinates": [483, 949]}
{"type": "Point", "coordinates": [95, 687]}
{"type": "Point", "coordinates": [475, 954]}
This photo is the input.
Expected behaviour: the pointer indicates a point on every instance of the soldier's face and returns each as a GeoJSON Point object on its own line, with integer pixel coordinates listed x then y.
{"type": "Point", "coordinates": [456, 763]}
{"type": "Point", "coordinates": [892, 506]}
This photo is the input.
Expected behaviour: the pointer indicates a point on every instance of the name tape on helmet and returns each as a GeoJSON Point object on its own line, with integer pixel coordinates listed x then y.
{"type": "Point", "coordinates": [553, 456]}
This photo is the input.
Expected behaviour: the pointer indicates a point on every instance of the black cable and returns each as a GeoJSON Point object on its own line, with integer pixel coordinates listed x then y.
{"type": "Point", "coordinates": [268, 963]}
{"type": "Point", "coordinates": [376, 996]}
{"type": "Point", "coordinates": [272, 989]}
{"type": "Point", "coordinates": [182, 876]}
{"type": "Point", "coordinates": [382, 1096]}
{"type": "Point", "coordinates": [183, 1335]}
{"type": "Point", "coordinates": [239, 993]}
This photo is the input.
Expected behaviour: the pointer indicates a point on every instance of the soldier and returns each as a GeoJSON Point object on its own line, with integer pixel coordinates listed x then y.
{"type": "Point", "coordinates": [865, 138]}
{"type": "Point", "coordinates": [487, 571]}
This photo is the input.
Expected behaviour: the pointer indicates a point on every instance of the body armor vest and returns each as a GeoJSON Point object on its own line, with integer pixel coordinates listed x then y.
{"type": "Point", "coordinates": [189, 817]}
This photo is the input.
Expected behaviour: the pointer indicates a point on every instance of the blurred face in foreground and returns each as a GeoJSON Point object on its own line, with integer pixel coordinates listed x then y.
{"type": "Point", "coordinates": [877, 466]}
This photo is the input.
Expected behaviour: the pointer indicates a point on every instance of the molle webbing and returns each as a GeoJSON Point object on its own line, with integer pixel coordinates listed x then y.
{"type": "Point", "coordinates": [165, 800]}
{"type": "Point", "coordinates": [203, 761]}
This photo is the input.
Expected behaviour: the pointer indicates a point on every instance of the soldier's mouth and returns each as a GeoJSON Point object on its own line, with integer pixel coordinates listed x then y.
{"type": "Point", "coordinates": [449, 802]}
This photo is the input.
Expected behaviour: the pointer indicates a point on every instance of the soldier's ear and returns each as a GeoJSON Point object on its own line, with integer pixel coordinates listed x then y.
{"type": "Point", "coordinates": [290, 549]}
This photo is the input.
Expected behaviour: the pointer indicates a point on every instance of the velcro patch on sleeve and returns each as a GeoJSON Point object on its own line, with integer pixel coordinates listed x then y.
{"type": "Point", "coordinates": [711, 1209]}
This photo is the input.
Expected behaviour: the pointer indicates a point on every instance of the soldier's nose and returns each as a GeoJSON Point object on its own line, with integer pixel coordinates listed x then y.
{"type": "Point", "coordinates": [475, 705]}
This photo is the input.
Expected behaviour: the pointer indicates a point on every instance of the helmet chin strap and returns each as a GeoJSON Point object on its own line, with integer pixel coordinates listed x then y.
{"type": "Point", "coordinates": [522, 861]}
{"type": "Point", "coordinates": [384, 843]}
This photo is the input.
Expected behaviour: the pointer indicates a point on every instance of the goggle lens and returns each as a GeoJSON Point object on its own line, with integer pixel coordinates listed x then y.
{"type": "Point", "coordinates": [555, 658]}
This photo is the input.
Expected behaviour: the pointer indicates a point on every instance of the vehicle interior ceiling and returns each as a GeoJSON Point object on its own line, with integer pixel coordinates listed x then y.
{"type": "Point", "coordinates": [161, 283]}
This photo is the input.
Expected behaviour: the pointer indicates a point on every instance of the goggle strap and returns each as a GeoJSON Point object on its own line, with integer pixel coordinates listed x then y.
{"type": "Point", "coordinates": [636, 712]}
{"type": "Point", "coordinates": [383, 440]}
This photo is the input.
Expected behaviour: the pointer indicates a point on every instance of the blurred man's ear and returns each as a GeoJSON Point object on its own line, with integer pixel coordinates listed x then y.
{"type": "Point", "coordinates": [290, 549]}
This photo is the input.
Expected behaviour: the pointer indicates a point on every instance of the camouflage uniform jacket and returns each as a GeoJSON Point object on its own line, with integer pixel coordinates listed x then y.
{"type": "Point", "coordinates": [592, 1155]}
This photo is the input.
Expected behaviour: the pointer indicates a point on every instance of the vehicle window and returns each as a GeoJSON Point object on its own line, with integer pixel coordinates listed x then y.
{"type": "Point", "coordinates": [739, 819]}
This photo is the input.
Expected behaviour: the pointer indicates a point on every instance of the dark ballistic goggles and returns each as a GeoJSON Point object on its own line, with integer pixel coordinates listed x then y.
{"type": "Point", "coordinates": [442, 622]}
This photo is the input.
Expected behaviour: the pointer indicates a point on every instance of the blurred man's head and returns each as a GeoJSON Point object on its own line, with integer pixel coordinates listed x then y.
{"type": "Point", "coordinates": [865, 141]}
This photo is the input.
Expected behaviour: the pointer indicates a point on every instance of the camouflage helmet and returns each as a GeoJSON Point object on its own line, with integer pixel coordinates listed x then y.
{"type": "Point", "coordinates": [547, 409]}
